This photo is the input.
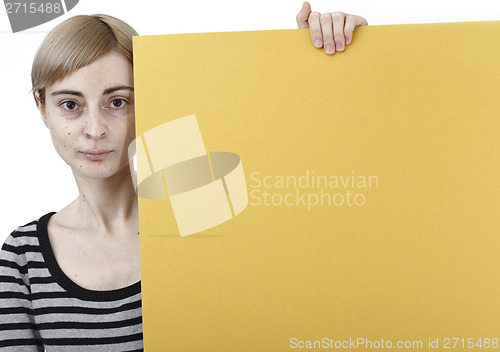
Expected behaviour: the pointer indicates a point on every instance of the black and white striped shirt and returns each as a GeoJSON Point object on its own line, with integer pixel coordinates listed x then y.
{"type": "Point", "coordinates": [41, 308]}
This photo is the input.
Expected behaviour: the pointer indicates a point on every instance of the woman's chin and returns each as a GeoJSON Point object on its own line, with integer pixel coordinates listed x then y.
{"type": "Point", "coordinates": [99, 171]}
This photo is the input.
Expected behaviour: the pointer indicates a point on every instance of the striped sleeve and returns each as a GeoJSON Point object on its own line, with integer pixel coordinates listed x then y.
{"type": "Point", "coordinates": [18, 331]}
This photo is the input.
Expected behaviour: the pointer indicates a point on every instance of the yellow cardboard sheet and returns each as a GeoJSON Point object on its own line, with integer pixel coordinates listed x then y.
{"type": "Point", "coordinates": [290, 200]}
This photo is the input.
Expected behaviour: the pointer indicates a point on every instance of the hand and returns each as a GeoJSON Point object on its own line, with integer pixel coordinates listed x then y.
{"type": "Point", "coordinates": [332, 31]}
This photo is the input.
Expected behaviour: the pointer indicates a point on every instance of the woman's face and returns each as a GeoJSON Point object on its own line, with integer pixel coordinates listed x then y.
{"type": "Point", "coordinates": [90, 115]}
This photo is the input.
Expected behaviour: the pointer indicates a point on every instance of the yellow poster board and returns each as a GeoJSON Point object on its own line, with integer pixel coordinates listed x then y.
{"type": "Point", "coordinates": [291, 200]}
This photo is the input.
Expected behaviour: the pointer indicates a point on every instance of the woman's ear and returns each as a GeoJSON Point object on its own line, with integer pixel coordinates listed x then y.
{"type": "Point", "coordinates": [41, 108]}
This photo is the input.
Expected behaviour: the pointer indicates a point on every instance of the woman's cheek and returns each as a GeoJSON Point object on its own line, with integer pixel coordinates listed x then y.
{"type": "Point", "coordinates": [132, 131]}
{"type": "Point", "coordinates": [63, 138]}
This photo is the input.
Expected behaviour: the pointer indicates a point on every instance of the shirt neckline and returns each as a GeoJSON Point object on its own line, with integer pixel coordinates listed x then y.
{"type": "Point", "coordinates": [69, 285]}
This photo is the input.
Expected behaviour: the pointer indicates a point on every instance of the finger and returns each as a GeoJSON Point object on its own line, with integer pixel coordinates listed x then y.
{"type": "Point", "coordinates": [351, 22]}
{"type": "Point", "coordinates": [315, 28]}
{"type": "Point", "coordinates": [327, 30]}
{"type": "Point", "coordinates": [303, 15]}
{"type": "Point", "coordinates": [338, 30]}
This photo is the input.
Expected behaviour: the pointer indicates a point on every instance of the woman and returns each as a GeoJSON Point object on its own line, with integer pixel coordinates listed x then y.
{"type": "Point", "coordinates": [71, 279]}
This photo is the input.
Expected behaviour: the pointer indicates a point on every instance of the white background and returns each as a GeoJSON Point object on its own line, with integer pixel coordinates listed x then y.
{"type": "Point", "coordinates": [34, 180]}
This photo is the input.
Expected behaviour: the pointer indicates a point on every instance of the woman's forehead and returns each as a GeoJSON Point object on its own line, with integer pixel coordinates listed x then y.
{"type": "Point", "coordinates": [105, 73]}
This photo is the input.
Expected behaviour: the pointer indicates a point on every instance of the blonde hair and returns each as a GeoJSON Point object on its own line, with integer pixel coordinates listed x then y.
{"type": "Point", "coordinates": [76, 43]}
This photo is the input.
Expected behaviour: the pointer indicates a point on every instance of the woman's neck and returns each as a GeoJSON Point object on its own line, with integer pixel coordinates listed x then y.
{"type": "Point", "coordinates": [107, 203]}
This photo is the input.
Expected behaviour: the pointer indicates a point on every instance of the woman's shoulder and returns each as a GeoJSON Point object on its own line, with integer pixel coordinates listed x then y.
{"type": "Point", "coordinates": [31, 226]}
{"type": "Point", "coordinates": [21, 248]}
{"type": "Point", "coordinates": [27, 234]}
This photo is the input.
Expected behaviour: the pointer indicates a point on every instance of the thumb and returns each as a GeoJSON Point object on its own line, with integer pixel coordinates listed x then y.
{"type": "Point", "coordinates": [303, 15]}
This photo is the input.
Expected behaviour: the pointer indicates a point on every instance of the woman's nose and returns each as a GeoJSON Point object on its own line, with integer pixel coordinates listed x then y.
{"type": "Point", "coordinates": [95, 124]}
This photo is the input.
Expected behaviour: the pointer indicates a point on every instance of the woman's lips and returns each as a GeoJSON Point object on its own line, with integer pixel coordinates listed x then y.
{"type": "Point", "coordinates": [95, 155]}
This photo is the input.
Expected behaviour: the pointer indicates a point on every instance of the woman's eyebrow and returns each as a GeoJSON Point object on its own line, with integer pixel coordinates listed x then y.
{"type": "Point", "coordinates": [65, 91]}
{"type": "Point", "coordinates": [79, 94]}
{"type": "Point", "coordinates": [114, 89]}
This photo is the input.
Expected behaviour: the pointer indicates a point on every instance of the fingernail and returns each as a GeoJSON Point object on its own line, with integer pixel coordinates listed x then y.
{"type": "Point", "coordinates": [329, 49]}
{"type": "Point", "coordinates": [339, 46]}
{"type": "Point", "coordinates": [318, 43]}
{"type": "Point", "coordinates": [347, 40]}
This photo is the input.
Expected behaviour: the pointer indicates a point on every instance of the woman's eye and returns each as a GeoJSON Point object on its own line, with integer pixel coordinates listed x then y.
{"type": "Point", "coordinates": [69, 105]}
{"type": "Point", "coordinates": [118, 103]}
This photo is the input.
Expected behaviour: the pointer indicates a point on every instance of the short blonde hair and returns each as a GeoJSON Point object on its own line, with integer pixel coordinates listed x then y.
{"type": "Point", "coordinates": [76, 43]}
